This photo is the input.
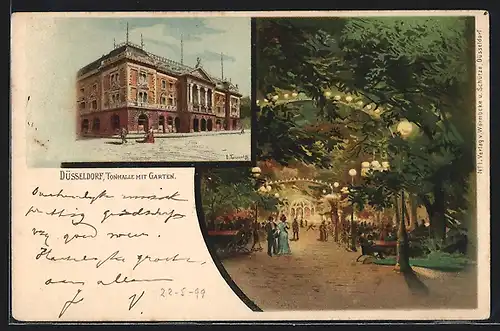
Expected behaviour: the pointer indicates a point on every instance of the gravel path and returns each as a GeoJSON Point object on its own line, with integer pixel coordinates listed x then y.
{"type": "Point", "coordinates": [321, 276]}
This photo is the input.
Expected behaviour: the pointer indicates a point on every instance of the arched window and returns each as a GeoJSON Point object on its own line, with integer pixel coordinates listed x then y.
{"type": "Point", "coordinates": [115, 122]}
{"type": "Point", "coordinates": [177, 123]}
{"type": "Point", "coordinates": [85, 126]}
{"type": "Point", "coordinates": [96, 124]}
{"type": "Point", "coordinates": [196, 125]}
{"type": "Point", "coordinates": [161, 123]}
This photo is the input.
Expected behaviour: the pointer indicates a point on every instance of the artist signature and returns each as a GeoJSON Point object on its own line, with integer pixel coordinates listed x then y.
{"type": "Point", "coordinates": [237, 157]}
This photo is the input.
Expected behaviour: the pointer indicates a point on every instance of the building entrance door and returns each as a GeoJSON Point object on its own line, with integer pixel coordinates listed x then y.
{"type": "Point", "coordinates": [143, 122]}
{"type": "Point", "coordinates": [196, 125]}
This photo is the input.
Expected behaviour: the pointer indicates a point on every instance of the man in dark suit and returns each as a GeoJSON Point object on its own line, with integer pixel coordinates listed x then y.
{"type": "Point", "coordinates": [295, 229]}
{"type": "Point", "coordinates": [270, 230]}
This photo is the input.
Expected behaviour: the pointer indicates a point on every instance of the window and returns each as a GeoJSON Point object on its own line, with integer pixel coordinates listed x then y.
{"type": "Point", "coordinates": [143, 97]}
{"type": "Point", "coordinates": [94, 104]}
{"type": "Point", "coordinates": [142, 78]}
{"type": "Point", "coordinates": [163, 100]}
{"type": "Point", "coordinates": [170, 86]}
{"type": "Point", "coordinates": [170, 100]}
{"type": "Point", "coordinates": [82, 105]}
{"type": "Point", "coordinates": [114, 98]}
{"type": "Point", "coordinates": [96, 124]}
{"type": "Point", "coordinates": [163, 84]}
{"type": "Point", "coordinates": [113, 78]}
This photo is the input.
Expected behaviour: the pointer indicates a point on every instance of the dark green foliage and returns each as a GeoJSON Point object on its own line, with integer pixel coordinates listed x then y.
{"type": "Point", "coordinates": [231, 189]}
{"type": "Point", "coordinates": [414, 68]}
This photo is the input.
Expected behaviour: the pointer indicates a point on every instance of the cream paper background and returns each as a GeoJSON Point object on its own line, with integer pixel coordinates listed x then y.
{"type": "Point", "coordinates": [33, 301]}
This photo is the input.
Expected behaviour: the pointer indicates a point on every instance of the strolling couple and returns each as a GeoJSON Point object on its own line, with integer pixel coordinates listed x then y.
{"type": "Point", "coordinates": [277, 237]}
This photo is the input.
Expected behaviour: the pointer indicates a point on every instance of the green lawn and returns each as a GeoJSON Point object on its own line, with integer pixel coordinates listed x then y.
{"type": "Point", "coordinates": [436, 261]}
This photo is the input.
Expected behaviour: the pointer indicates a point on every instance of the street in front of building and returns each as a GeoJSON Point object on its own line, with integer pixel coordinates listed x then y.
{"type": "Point", "coordinates": [194, 148]}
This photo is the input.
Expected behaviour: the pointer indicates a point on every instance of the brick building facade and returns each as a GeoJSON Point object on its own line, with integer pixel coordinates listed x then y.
{"type": "Point", "coordinates": [138, 90]}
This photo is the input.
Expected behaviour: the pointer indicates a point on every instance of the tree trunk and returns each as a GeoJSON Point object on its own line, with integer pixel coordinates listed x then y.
{"type": "Point", "coordinates": [256, 212]}
{"type": "Point", "coordinates": [413, 212]}
{"type": "Point", "coordinates": [406, 215]}
{"type": "Point", "coordinates": [335, 220]}
{"type": "Point", "coordinates": [397, 215]}
{"type": "Point", "coordinates": [403, 249]}
{"type": "Point", "coordinates": [353, 231]}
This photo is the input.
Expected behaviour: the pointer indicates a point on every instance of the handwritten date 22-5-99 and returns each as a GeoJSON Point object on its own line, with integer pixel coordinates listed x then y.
{"type": "Point", "coordinates": [199, 293]}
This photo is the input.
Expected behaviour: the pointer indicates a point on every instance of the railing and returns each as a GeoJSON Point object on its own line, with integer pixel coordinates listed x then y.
{"type": "Point", "coordinates": [112, 59]}
{"type": "Point", "coordinates": [150, 105]}
{"type": "Point", "coordinates": [127, 43]}
{"type": "Point", "coordinates": [176, 66]}
{"type": "Point", "coordinates": [167, 107]}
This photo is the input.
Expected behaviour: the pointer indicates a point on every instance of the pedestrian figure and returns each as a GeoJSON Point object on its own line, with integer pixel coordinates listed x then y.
{"type": "Point", "coordinates": [123, 135]}
{"type": "Point", "coordinates": [150, 138]}
{"type": "Point", "coordinates": [270, 228]}
{"type": "Point", "coordinates": [295, 228]}
{"type": "Point", "coordinates": [256, 239]}
{"type": "Point", "coordinates": [323, 236]}
{"type": "Point", "coordinates": [325, 231]}
{"type": "Point", "coordinates": [283, 245]}
{"type": "Point", "coordinates": [276, 233]}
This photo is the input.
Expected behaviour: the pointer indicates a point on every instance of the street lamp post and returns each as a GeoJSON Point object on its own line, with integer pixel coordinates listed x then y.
{"type": "Point", "coordinates": [405, 129]}
{"type": "Point", "coordinates": [335, 213]}
{"type": "Point", "coordinates": [353, 173]}
{"type": "Point", "coordinates": [256, 172]}
{"type": "Point", "coordinates": [345, 234]}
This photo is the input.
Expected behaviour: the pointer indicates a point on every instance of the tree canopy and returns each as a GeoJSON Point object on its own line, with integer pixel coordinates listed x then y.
{"type": "Point", "coordinates": [365, 76]}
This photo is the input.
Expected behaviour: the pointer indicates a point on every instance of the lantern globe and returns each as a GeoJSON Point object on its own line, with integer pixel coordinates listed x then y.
{"type": "Point", "coordinates": [405, 128]}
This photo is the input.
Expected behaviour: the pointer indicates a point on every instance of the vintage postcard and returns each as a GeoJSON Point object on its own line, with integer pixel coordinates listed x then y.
{"type": "Point", "coordinates": [369, 199]}
{"type": "Point", "coordinates": [132, 89]}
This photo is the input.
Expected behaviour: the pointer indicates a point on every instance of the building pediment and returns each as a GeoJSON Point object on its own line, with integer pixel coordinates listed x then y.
{"type": "Point", "coordinates": [201, 74]}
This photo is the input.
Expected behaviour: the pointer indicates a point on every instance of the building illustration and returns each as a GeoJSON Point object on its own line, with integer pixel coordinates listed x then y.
{"type": "Point", "coordinates": [137, 90]}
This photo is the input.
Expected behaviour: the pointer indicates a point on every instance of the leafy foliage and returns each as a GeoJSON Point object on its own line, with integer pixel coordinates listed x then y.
{"type": "Point", "coordinates": [233, 189]}
{"type": "Point", "coordinates": [285, 141]}
{"type": "Point", "coordinates": [416, 69]}
{"type": "Point", "coordinates": [410, 68]}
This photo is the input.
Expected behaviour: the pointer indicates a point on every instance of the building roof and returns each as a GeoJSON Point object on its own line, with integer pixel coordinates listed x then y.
{"type": "Point", "coordinates": [169, 66]}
